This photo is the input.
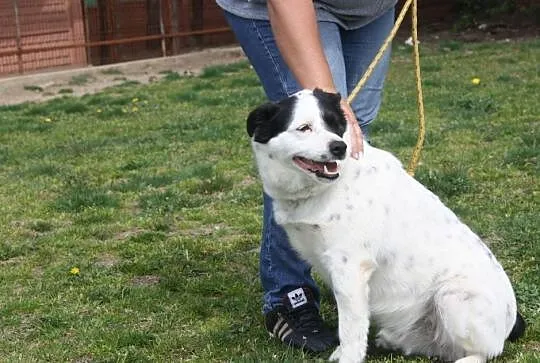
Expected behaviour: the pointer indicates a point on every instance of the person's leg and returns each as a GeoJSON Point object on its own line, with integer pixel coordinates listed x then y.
{"type": "Point", "coordinates": [291, 297]}
{"type": "Point", "coordinates": [291, 311]}
{"type": "Point", "coordinates": [359, 48]}
{"type": "Point", "coordinates": [333, 50]}
{"type": "Point", "coordinates": [281, 269]}
{"type": "Point", "coordinates": [257, 41]}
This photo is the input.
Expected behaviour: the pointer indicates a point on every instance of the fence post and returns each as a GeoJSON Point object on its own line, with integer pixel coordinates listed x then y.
{"type": "Point", "coordinates": [18, 35]}
{"type": "Point", "coordinates": [162, 30]}
{"type": "Point", "coordinates": [110, 13]}
{"type": "Point", "coordinates": [86, 16]}
{"type": "Point", "coordinates": [197, 20]}
{"type": "Point", "coordinates": [173, 21]}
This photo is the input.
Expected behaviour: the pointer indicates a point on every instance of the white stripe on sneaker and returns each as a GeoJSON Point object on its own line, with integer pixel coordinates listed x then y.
{"type": "Point", "coordinates": [286, 334]}
{"type": "Point", "coordinates": [277, 326]}
{"type": "Point", "coordinates": [282, 330]}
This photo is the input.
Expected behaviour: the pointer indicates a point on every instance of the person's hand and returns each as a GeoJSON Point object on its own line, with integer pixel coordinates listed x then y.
{"type": "Point", "coordinates": [357, 140]}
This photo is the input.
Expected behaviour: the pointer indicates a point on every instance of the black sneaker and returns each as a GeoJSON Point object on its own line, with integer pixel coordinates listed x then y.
{"type": "Point", "coordinates": [298, 323]}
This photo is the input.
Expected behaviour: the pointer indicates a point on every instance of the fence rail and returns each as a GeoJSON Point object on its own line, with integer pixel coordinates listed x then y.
{"type": "Point", "coordinates": [39, 34]}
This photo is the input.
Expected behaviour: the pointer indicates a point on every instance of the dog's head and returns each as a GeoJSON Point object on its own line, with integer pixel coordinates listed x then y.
{"type": "Point", "coordinates": [299, 143]}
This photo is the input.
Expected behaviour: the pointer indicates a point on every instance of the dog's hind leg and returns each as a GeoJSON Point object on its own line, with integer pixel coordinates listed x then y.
{"type": "Point", "coordinates": [472, 323]}
{"type": "Point", "coordinates": [472, 359]}
{"type": "Point", "coordinates": [413, 331]}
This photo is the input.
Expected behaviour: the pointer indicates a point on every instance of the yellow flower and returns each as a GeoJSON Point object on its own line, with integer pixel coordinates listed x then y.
{"type": "Point", "coordinates": [98, 110]}
{"type": "Point", "coordinates": [475, 81]}
{"type": "Point", "coordinates": [134, 109]}
{"type": "Point", "coordinates": [74, 271]}
{"type": "Point", "coordinates": [135, 100]}
{"type": "Point", "coordinates": [47, 119]}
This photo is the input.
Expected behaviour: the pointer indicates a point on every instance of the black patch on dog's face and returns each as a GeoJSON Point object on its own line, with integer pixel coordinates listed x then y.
{"type": "Point", "coordinates": [270, 119]}
{"type": "Point", "coordinates": [331, 112]}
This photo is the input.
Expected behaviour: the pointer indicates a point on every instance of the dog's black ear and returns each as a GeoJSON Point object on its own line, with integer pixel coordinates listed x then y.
{"type": "Point", "coordinates": [331, 111]}
{"type": "Point", "coordinates": [259, 116]}
{"type": "Point", "coordinates": [332, 97]}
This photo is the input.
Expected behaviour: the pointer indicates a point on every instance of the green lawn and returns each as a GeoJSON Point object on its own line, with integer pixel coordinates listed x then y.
{"type": "Point", "coordinates": [151, 192]}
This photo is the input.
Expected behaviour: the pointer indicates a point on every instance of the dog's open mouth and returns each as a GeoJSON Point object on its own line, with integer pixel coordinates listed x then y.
{"type": "Point", "coordinates": [327, 170]}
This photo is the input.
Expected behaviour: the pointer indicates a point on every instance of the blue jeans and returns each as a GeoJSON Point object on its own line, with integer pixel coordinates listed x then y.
{"type": "Point", "coordinates": [348, 52]}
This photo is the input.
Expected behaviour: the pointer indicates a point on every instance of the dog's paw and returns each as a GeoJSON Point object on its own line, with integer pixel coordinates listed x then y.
{"type": "Point", "coordinates": [336, 355]}
{"type": "Point", "coordinates": [347, 356]}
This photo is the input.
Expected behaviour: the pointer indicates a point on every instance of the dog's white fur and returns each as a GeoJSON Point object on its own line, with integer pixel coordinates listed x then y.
{"type": "Point", "coordinates": [392, 252]}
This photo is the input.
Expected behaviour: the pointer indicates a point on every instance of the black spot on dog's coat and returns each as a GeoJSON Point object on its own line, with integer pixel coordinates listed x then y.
{"type": "Point", "coordinates": [372, 170]}
{"type": "Point", "coordinates": [409, 264]}
{"type": "Point", "coordinates": [334, 217]}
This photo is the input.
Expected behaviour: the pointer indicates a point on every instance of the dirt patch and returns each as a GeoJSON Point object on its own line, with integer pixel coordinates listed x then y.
{"type": "Point", "coordinates": [107, 261]}
{"type": "Point", "coordinates": [76, 82]}
{"type": "Point", "coordinates": [146, 280]}
{"type": "Point", "coordinates": [128, 234]}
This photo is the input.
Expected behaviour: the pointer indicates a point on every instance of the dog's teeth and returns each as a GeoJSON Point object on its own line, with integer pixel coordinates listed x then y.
{"type": "Point", "coordinates": [328, 172]}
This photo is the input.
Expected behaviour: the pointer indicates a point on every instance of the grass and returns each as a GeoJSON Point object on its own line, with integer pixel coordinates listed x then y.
{"type": "Point", "coordinates": [112, 71]}
{"type": "Point", "coordinates": [65, 91]}
{"type": "Point", "coordinates": [170, 75]}
{"type": "Point", "coordinates": [150, 191]}
{"type": "Point", "coordinates": [33, 88]}
{"type": "Point", "coordinates": [81, 79]}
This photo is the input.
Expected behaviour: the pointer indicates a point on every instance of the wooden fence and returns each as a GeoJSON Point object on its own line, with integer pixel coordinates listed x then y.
{"type": "Point", "coordinates": [38, 34]}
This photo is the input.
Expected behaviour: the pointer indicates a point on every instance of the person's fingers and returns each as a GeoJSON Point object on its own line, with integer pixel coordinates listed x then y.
{"type": "Point", "coordinates": [355, 131]}
{"type": "Point", "coordinates": [357, 147]}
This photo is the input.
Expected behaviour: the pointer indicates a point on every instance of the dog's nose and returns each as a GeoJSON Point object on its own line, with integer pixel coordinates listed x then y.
{"type": "Point", "coordinates": [338, 148]}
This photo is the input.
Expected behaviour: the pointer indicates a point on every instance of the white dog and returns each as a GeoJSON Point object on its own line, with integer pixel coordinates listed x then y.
{"type": "Point", "coordinates": [390, 249]}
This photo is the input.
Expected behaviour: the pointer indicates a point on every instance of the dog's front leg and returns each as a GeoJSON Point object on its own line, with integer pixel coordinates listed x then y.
{"type": "Point", "coordinates": [350, 277]}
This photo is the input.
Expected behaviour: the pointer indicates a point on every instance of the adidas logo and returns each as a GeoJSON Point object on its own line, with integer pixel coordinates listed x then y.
{"type": "Point", "coordinates": [297, 298]}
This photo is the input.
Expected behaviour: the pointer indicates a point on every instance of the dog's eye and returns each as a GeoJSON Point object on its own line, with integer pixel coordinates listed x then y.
{"type": "Point", "coordinates": [304, 128]}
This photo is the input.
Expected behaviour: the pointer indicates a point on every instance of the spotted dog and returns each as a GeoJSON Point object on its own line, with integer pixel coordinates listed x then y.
{"type": "Point", "coordinates": [393, 253]}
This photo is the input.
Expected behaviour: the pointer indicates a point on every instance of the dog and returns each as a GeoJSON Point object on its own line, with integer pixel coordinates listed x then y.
{"type": "Point", "coordinates": [392, 252]}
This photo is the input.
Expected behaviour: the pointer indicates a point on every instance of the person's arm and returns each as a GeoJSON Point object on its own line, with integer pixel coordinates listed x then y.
{"type": "Point", "coordinates": [294, 24]}
{"type": "Point", "coordinates": [295, 29]}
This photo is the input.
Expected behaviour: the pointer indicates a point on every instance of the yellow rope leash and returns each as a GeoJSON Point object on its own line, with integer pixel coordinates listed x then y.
{"type": "Point", "coordinates": [420, 98]}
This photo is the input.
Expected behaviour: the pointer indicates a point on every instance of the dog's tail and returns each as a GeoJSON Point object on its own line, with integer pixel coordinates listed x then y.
{"type": "Point", "coordinates": [518, 329]}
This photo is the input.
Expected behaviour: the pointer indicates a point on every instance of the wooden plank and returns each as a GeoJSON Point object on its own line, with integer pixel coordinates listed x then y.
{"type": "Point", "coordinates": [75, 12]}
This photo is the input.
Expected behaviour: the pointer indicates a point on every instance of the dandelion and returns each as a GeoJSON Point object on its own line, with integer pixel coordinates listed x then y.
{"type": "Point", "coordinates": [135, 100]}
{"type": "Point", "coordinates": [75, 271]}
{"type": "Point", "coordinates": [134, 109]}
{"type": "Point", "coordinates": [99, 110]}
{"type": "Point", "coordinates": [475, 81]}
{"type": "Point", "coordinates": [47, 119]}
